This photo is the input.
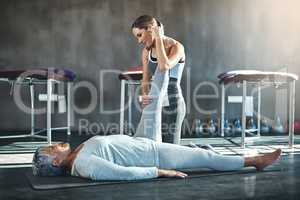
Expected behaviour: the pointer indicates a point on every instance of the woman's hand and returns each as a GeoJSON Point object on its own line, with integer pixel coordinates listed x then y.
{"type": "Point", "coordinates": [146, 100]}
{"type": "Point", "coordinates": [157, 31]}
{"type": "Point", "coordinates": [171, 173]}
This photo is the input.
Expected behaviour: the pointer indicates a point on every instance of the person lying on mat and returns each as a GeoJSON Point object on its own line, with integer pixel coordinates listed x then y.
{"type": "Point", "coordinates": [121, 157]}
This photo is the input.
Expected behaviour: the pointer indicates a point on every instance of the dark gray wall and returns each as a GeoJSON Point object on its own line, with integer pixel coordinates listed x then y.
{"type": "Point", "coordinates": [91, 35]}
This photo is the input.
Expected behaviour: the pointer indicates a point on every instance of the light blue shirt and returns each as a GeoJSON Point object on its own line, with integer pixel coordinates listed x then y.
{"type": "Point", "coordinates": [117, 157]}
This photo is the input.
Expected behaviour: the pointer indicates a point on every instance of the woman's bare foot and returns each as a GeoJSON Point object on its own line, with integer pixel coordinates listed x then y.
{"type": "Point", "coordinates": [260, 162]}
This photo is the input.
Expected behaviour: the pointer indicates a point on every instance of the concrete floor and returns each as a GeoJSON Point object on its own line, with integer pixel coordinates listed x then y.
{"type": "Point", "coordinates": [284, 183]}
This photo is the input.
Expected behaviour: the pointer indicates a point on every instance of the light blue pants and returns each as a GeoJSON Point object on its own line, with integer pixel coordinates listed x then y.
{"type": "Point", "coordinates": [172, 156]}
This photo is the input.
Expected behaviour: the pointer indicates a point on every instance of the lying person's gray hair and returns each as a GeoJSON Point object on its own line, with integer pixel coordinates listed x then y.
{"type": "Point", "coordinates": [42, 164]}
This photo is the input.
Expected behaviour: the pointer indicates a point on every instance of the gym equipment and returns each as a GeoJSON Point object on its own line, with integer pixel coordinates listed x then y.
{"type": "Point", "coordinates": [198, 127]}
{"type": "Point", "coordinates": [61, 99]}
{"type": "Point", "coordinates": [258, 78]}
{"type": "Point", "coordinates": [251, 124]}
{"type": "Point", "coordinates": [237, 128]}
{"type": "Point", "coordinates": [129, 78]}
{"type": "Point", "coordinates": [251, 127]}
{"type": "Point", "coordinates": [278, 126]}
{"type": "Point", "coordinates": [228, 129]}
{"type": "Point", "coordinates": [211, 128]}
{"type": "Point", "coordinates": [48, 76]}
{"type": "Point", "coordinates": [297, 126]}
{"type": "Point", "coordinates": [265, 128]}
{"type": "Point", "coordinates": [205, 131]}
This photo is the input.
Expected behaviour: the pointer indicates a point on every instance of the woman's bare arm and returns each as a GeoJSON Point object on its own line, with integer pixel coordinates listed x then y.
{"type": "Point", "coordinates": [166, 60]}
{"type": "Point", "coordinates": [146, 72]}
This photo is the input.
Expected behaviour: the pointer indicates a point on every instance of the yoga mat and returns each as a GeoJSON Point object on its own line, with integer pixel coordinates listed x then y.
{"type": "Point", "coordinates": [50, 183]}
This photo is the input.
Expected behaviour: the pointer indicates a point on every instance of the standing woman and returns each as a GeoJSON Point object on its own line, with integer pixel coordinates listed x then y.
{"type": "Point", "coordinates": [163, 60]}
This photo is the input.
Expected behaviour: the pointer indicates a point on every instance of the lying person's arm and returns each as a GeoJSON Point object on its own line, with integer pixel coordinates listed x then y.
{"type": "Point", "coordinates": [97, 168]}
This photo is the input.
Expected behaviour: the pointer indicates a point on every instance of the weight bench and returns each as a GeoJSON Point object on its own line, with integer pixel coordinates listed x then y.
{"type": "Point", "coordinates": [31, 77]}
{"type": "Point", "coordinates": [129, 78]}
{"type": "Point", "coordinates": [258, 78]}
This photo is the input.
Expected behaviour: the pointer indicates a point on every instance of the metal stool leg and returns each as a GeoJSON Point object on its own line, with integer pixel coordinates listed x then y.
{"type": "Point", "coordinates": [258, 108]}
{"type": "Point", "coordinates": [69, 85]}
{"type": "Point", "coordinates": [122, 105]}
{"type": "Point", "coordinates": [49, 97]}
{"type": "Point", "coordinates": [291, 113]}
{"type": "Point", "coordinates": [129, 107]}
{"type": "Point", "coordinates": [32, 108]}
{"type": "Point", "coordinates": [222, 109]}
{"type": "Point", "coordinates": [244, 114]}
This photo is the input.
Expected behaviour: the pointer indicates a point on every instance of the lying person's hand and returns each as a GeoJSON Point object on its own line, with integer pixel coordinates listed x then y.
{"type": "Point", "coordinates": [171, 173]}
{"type": "Point", "coordinates": [146, 100]}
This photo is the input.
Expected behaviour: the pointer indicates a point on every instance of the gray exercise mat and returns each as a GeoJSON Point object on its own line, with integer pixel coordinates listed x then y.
{"type": "Point", "coordinates": [50, 183]}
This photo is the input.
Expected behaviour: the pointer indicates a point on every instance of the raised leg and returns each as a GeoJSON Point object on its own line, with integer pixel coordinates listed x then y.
{"type": "Point", "coordinates": [150, 123]}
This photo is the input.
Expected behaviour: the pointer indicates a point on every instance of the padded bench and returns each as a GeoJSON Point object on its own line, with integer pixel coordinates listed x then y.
{"type": "Point", "coordinates": [31, 77]}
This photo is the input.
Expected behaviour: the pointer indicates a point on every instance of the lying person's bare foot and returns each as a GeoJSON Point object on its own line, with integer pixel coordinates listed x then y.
{"type": "Point", "coordinates": [262, 161]}
{"type": "Point", "coordinates": [267, 159]}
